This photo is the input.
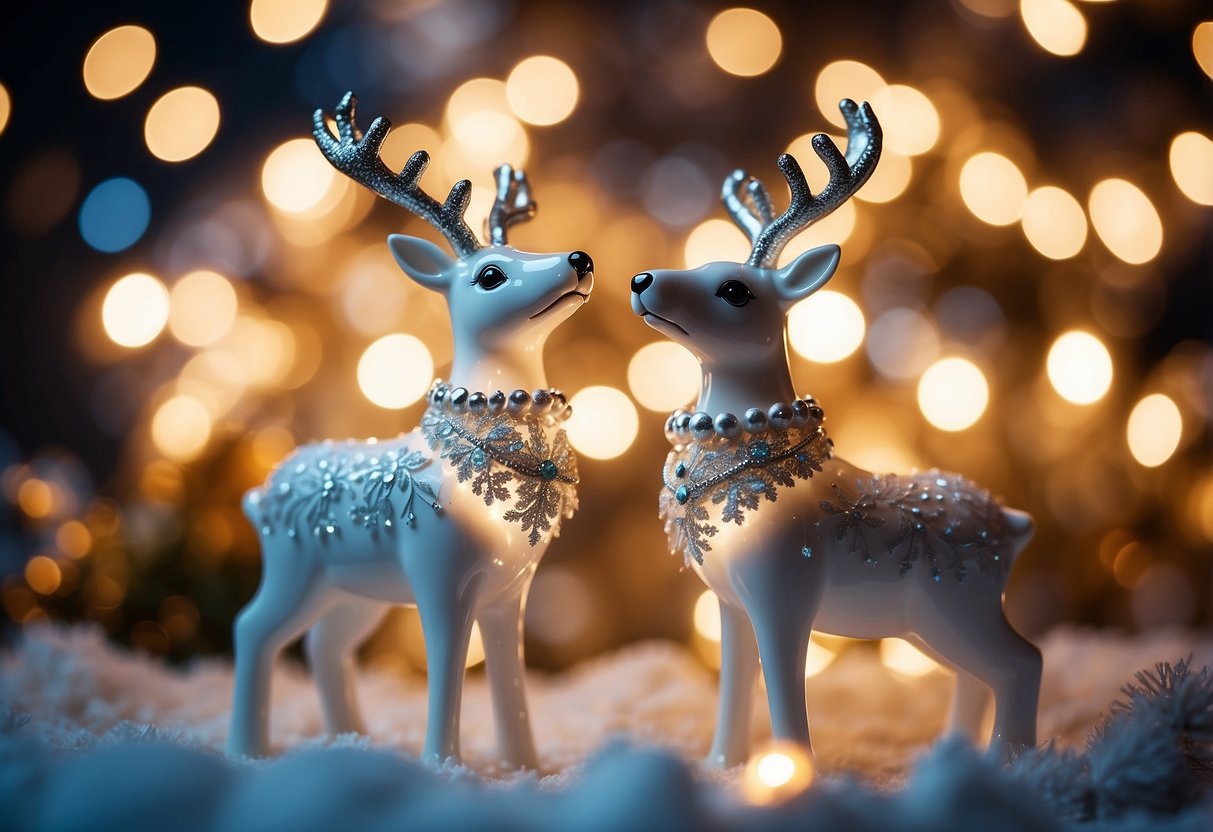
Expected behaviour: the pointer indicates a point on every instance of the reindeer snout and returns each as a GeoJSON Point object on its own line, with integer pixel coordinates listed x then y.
{"type": "Point", "coordinates": [641, 282]}
{"type": "Point", "coordinates": [582, 263]}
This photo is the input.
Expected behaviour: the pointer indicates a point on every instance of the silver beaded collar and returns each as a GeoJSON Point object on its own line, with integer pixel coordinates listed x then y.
{"type": "Point", "coordinates": [482, 437]}
{"type": "Point", "coordinates": [736, 463]}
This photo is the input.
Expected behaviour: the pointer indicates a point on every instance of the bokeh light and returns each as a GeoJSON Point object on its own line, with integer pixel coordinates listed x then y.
{"type": "Point", "coordinates": [825, 327]}
{"type": "Point", "coordinates": [1054, 222]}
{"type": "Point", "coordinates": [890, 180]}
{"type": "Point", "coordinates": [202, 308]}
{"type": "Point", "coordinates": [1079, 367]}
{"type": "Point", "coordinates": [909, 119]}
{"type": "Point", "coordinates": [706, 616]}
{"type": "Point", "coordinates": [743, 41]}
{"type": "Point", "coordinates": [1125, 220]}
{"type": "Point", "coordinates": [296, 177]}
{"type": "Point", "coordinates": [6, 107]}
{"type": "Point", "coordinates": [1154, 429]}
{"type": "Point", "coordinates": [181, 427]}
{"type": "Point", "coordinates": [484, 128]}
{"type": "Point", "coordinates": [542, 90]}
{"type": "Point", "coordinates": [114, 215]}
{"type": "Point", "coordinates": [1192, 166]}
{"type": "Point", "coordinates": [902, 343]}
{"type": "Point", "coordinates": [135, 310]}
{"type": "Point", "coordinates": [181, 124]}
{"type": "Point", "coordinates": [395, 371]}
{"type": "Point", "coordinates": [902, 657]}
{"type": "Point", "coordinates": [776, 772]}
{"type": "Point", "coordinates": [604, 422]}
{"type": "Point", "coordinates": [845, 79]}
{"type": "Point", "coordinates": [1202, 46]}
{"type": "Point", "coordinates": [663, 376]}
{"type": "Point", "coordinates": [713, 241]}
{"type": "Point", "coordinates": [118, 62]}
{"type": "Point", "coordinates": [43, 574]}
{"type": "Point", "coordinates": [1057, 25]}
{"type": "Point", "coordinates": [285, 21]}
{"type": "Point", "coordinates": [993, 188]}
{"type": "Point", "coordinates": [953, 393]}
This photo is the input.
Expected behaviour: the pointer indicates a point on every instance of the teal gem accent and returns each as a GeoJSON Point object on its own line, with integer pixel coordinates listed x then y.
{"type": "Point", "coordinates": [682, 494]}
{"type": "Point", "coordinates": [680, 470]}
{"type": "Point", "coordinates": [760, 451]}
{"type": "Point", "coordinates": [548, 470]}
{"type": "Point", "coordinates": [807, 551]}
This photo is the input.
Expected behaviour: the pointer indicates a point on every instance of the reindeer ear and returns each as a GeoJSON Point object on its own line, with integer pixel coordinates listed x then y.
{"type": "Point", "coordinates": [807, 273]}
{"type": "Point", "coordinates": [421, 260]}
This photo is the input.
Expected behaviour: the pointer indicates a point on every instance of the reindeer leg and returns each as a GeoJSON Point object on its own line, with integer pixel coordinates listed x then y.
{"type": "Point", "coordinates": [330, 646]}
{"type": "Point", "coordinates": [287, 602]}
{"type": "Point", "coordinates": [501, 630]}
{"type": "Point", "coordinates": [969, 700]}
{"type": "Point", "coordinates": [738, 669]}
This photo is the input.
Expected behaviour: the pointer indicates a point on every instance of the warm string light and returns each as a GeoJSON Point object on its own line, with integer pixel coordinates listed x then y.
{"type": "Point", "coordinates": [118, 62]}
{"type": "Point", "coordinates": [604, 422]}
{"type": "Point", "coordinates": [285, 21]}
{"type": "Point", "coordinates": [953, 393]}
{"type": "Point", "coordinates": [181, 124]}
{"type": "Point", "coordinates": [825, 327]}
{"type": "Point", "coordinates": [743, 41]}
{"type": "Point", "coordinates": [1056, 25]}
{"type": "Point", "coordinates": [1079, 367]}
{"type": "Point", "coordinates": [395, 371]}
{"type": "Point", "coordinates": [776, 772]}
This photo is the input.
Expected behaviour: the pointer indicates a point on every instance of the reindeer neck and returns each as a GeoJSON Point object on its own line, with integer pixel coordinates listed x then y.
{"type": "Point", "coordinates": [513, 368]}
{"type": "Point", "coordinates": [736, 387]}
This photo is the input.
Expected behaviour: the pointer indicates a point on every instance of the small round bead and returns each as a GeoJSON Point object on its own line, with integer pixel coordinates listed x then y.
{"type": "Point", "coordinates": [800, 413]}
{"type": "Point", "coordinates": [816, 413]}
{"type": "Point", "coordinates": [541, 400]}
{"type": "Point", "coordinates": [478, 403]}
{"type": "Point", "coordinates": [458, 399]}
{"type": "Point", "coordinates": [780, 415]}
{"type": "Point", "coordinates": [702, 426]}
{"type": "Point", "coordinates": [670, 435]}
{"type": "Point", "coordinates": [496, 401]}
{"type": "Point", "coordinates": [755, 420]}
{"type": "Point", "coordinates": [519, 401]}
{"type": "Point", "coordinates": [438, 394]}
{"type": "Point", "coordinates": [682, 423]}
{"type": "Point", "coordinates": [728, 426]}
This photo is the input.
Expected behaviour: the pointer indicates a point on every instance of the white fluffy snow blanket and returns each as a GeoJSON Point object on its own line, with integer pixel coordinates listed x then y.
{"type": "Point", "coordinates": [95, 737]}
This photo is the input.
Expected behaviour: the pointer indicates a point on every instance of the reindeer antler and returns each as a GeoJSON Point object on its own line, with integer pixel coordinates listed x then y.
{"type": "Point", "coordinates": [513, 203]}
{"type": "Point", "coordinates": [357, 156]}
{"type": "Point", "coordinates": [749, 204]}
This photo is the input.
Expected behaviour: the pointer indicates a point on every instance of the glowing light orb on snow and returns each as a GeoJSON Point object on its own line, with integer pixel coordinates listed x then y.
{"type": "Point", "coordinates": [775, 773]}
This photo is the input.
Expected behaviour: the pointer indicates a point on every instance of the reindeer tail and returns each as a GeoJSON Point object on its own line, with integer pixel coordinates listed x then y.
{"type": "Point", "coordinates": [1021, 528]}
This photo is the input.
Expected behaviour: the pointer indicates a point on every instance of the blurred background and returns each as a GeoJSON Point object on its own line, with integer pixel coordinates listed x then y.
{"type": "Point", "coordinates": [188, 290]}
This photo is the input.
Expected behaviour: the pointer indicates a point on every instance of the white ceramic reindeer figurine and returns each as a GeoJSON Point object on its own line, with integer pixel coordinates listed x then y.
{"type": "Point", "coordinates": [923, 556]}
{"type": "Point", "coordinates": [452, 517]}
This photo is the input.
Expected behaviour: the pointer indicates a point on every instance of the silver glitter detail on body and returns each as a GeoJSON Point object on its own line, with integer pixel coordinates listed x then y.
{"type": "Point", "coordinates": [492, 452]}
{"type": "Point", "coordinates": [735, 473]}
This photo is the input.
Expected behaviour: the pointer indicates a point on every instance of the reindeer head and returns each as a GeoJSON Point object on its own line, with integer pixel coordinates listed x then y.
{"type": "Point", "coordinates": [497, 294]}
{"type": "Point", "coordinates": [735, 311]}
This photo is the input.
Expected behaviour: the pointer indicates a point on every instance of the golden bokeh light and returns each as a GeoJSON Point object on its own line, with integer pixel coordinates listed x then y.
{"type": "Point", "coordinates": [663, 376]}
{"type": "Point", "coordinates": [902, 657]}
{"type": "Point", "coordinates": [706, 616]}
{"type": "Point", "coordinates": [826, 327]}
{"type": "Point", "coordinates": [845, 79]}
{"type": "Point", "coordinates": [73, 539]}
{"type": "Point", "coordinates": [1054, 222]}
{"type": "Point", "coordinates": [991, 8]}
{"type": "Point", "coordinates": [1056, 25]}
{"type": "Point", "coordinates": [1079, 367]}
{"type": "Point", "coordinates": [135, 310]}
{"type": "Point", "coordinates": [1192, 166]}
{"type": "Point", "coordinates": [1202, 46]}
{"type": "Point", "coordinates": [181, 124]}
{"type": "Point", "coordinates": [36, 498]}
{"type": "Point", "coordinates": [6, 107]}
{"type": "Point", "coordinates": [836, 228]}
{"type": "Point", "coordinates": [1200, 506]}
{"type": "Point", "coordinates": [484, 128]}
{"type": "Point", "coordinates": [475, 654]}
{"type": "Point", "coordinates": [202, 308]}
{"type": "Point", "coordinates": [1154, 430]}
{"type": "Point", "coordinates": [118, 62]}
{"type": "Point", "coordinates": [993, 188]}
{"type": "Point", "coordinates": [542, 90]}
{"type": "Point", "coordinates": [715, 240]}
{"type": "Point", "coordinates": [778, 771]}
{"type": "Point", "coordinates": [296, 177]}
{"type": "Point", "coordinates": [395, 371]}
{"type": "Point", "coordinates": [285, 21]}
{"type": "Point", "coordinates": [953, 393]}
{"type": "Point", "coordinates": [817, 658]}
{"type": "Point", "coordinates": [909, 119]}
{"type": "Point", "coordinates": [263, 349]}
{"type": "Point", "coordinates": [604, 422]}
{"type": "Point", "coordinates": [403, 140]}
{"type": "Point", "coordinates": [743, 41]}
{"type": "Point", "coordinates": [889, 180]}
{"type": "Point", "coordinates": [1125, 220]}
{"type": "Point", "coordinates": [43, 574]}
{"type": "Point", "coordinates": [181, 427]}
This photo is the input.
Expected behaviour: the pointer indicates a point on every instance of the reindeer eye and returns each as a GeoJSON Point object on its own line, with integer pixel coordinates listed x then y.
{"type": "Point", "coordinates": [735, 293]}
{"type": "Point", "coordinates": [490, 278]}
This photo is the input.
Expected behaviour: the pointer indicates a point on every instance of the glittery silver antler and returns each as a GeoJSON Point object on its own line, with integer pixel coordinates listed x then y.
{"type": "Point", "coordinates": [749, 204]}
{"type": "Point", "coordinates": [513, 203]}
{"type": "Point", "coordinates": [357, 156]}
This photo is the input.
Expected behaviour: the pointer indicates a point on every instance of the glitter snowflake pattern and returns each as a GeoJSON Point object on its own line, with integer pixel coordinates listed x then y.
{"type": "Point", "coordinates": [307, 491]}
{"type": "Point", "coordinates": [489, 451]}
{"type": "Point", "coordinates": [939, 518]}
{"type": "Point", "coordinates": [736, 474]}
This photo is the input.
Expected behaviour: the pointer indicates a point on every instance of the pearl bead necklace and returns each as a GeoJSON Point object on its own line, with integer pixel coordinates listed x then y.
{"type": "Point", "coordinates": [459, 400]}
{"type": "Point", "coordinates": [683, 425]}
